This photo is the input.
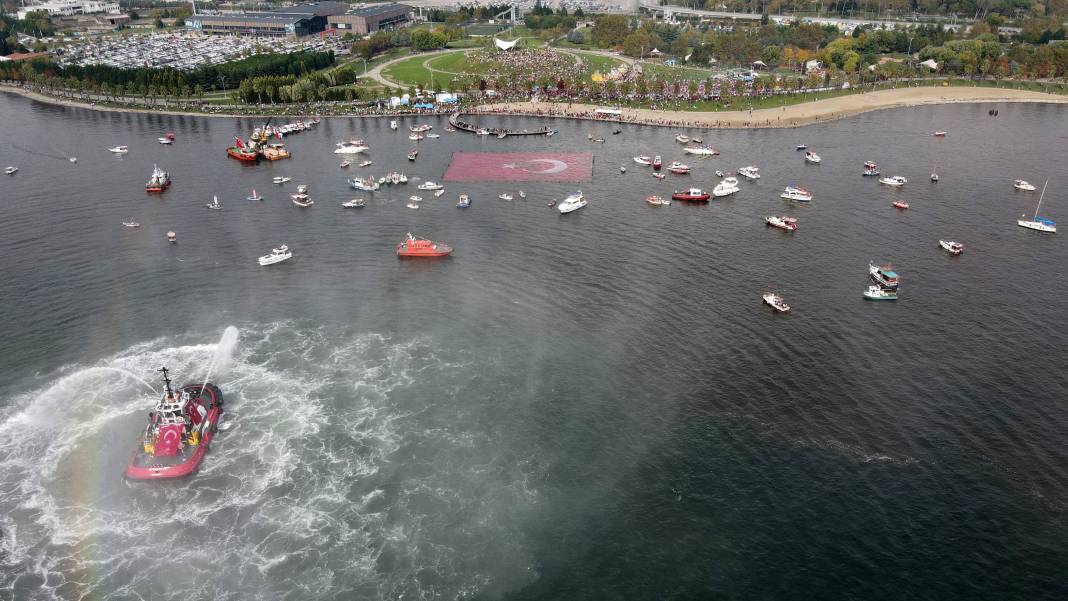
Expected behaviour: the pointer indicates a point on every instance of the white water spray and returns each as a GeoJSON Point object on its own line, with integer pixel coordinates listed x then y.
{"type": "Point", "coordinates": [224, 352]}
{"type": "Point", "coordinates": [125, 373]}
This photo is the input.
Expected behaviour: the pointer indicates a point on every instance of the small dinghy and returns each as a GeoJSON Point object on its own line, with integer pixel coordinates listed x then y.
{"type": "Point", "coordinates": [254, 195]}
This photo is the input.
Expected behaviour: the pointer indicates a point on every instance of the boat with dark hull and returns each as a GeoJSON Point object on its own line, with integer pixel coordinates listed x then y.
{"type": "Point", "coordinates": [179, 431]}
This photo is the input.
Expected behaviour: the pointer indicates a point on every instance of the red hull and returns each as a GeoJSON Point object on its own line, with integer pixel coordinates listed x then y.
{"type": "Point", "coordinates": [690, 198]}
{"type": "Point", "coordinates": [241, 155]}
{"type": "Point", "coordinates": [142, 470]}
{"type": "Point", "coordinates": [158, 188]}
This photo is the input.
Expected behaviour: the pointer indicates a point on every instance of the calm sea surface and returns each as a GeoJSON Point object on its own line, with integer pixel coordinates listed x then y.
{"type": "Point", "coordinates": [590, 406]}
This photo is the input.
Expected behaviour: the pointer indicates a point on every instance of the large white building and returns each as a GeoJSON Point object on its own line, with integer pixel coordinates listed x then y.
{"type": "Point", "coordinates": [68, 8]}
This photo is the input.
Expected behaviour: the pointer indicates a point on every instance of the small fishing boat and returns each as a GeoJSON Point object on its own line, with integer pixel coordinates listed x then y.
{"type": "Point", "coordinates": [678, 168]}
{"type": "Point", "coordinates": [119, 150]}
{"type": "Point", "coordinates": [214, 205]}
{"type": "Point", "coordinates": [812, 157]}
{"type": "Point", "coordinates": [901, 204]}
{"type": "Point", "coordinates": [465, 201]}
{"type": "Point", "coordinates": [691, 195]}
{"type": "Point", "coordinates": [254, 196]}
{"type": "Point", "coordinates": [281, 180]}
{"type": "Point", "coordinates": [776, 301]}
{"type": "Point", "coordinates": [953, 248]}
{"type": "Point", "coordinates": [658, 201]}
{"type": "Point", "coordinates": [1041, 224]}
{"type": "Point", "coordinates": [1023, 185]}
{"type": "Point", "coordinates": [782, 222]}
{"type": "Point", "coordinates": [159, 181]}
{"type": "Point", "coordinates": [894, 180]}
{"type": "Point", "coordinates": [572, 203]}
{"type": "Point", "coordinates": [934, 176]}
{"type": "Point", "coordinates": [355, 203]}
{"type": "Point", "coordinates": [749, 172]}
{"type": "Point", "coordinates": [505, 196]}
{"type": "Point", "coordinates": [884, 276]}
{"type": "Point", "coordinates": [131, 224]}
{"type": "Point", "coordinates": [870, 169]}
{"type": "Point", "coordinates": [798, 194]}
{"type": "Point", "coordinates": [301, 198]}
{"type": "Point", "coordinates": [10, 170]}
{"type": "Point", "coordinates": [643, 160]}
{"type": "Point", "coordinates": [413, 246]}
{"type": "Point", "coordinates": [879, 294]}
{"type": "Point", "coordinates": [282, 253]}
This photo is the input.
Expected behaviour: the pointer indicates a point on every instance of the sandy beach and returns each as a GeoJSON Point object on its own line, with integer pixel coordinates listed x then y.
{"type": "Point", "coordinates": [796, 115]}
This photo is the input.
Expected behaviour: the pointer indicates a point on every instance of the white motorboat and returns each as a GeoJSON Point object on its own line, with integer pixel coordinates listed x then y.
{"type": "Point", "coordinates": [954, 248]}
{"type": "Point", "coordinates": [282, 253]}
{"type": "Point", "coordinates": [720, 173]}
{"type": "Point", "coordinates": [802, 146]}
{"type": "Point", "coordinates": [131, 224]}
{"type": "Point", "coordinates": [367, 185]}
{"type": "Point", "coordinates": [749, 172]}
{"type": "Point", "coordinates": [776, 301]}
{"type": "Point", "coordinates": [355, 203]}
{"type": "Point", "coordinates": [1041, 224]}
{"type": "Point", "coordinates": [465, 201]}
{"type": "Point", "coordinates": [214, 204]}
{"type": "Point", "coordinates": [165, 141]}
{"type": "Point", "coordinates": [449, 129]}
{"type": "Point", "coordinates": [658, 201]}
{"type": "Point", "coordinates": [366, 163]}
{"type": "Point", "coordinates": [706, 151]}
{"type": "Point", "coordinates": [879, 293]}
{"type": "Point", "coordinates": [1023, 185]}
{"type": "Point", "coordinates": [393, 124]}
{"type": "Point", "coordinates": [726, 187]}
{"type": "Point", "coordinates": [415, 137]}
{"type": "Point", "coordinates": [73, 159]}
{"type": "Point", "coordinates": [439, 192]}
{"type": "Point", "coordinates": [522, 194]}
{"type": "Point", "coordinates": [344, 164]}
{"type": "Point", "coordinates": [798, 194]}
{"type": "Point", "coordinates": [281, 180]}
{"type": "Point", "coordinates": [172, 237]}
{"type": "Point", "coordinates": [412, 205]}
{"type": "Point", "coordinates": [351, 147]}
{"type": "Point", "coordinates": [812, 157]}
{"type": "Point", "coordinates": [894, 180]}
{"type": "Point", "coordinates": [483, 132]}
{"type": "Point", "coordinates": [429, 185]}
{"type": "Point", "coordinates": [302, 200]}
{"type": "Point", "coordinates": [678, 168]}
{"type": "Point", "coordinates": [420, 128]}
{"type": "Point", "coordinates": [659, 175]}
{"type": "Point", "coordinates": [643, 160]}
{"type": "Point", "coordinates": [119, 150]}
{"type": "Point", "coordinates": [10, 170]}
{"type": "Point", "coordinates": [505, 196]}
{"type": "Point", "coordinates": [782, 222]}
{"type": "Point", "coordinates": [682, 139]}
{"type": "Point", "coordinates": [934, 176]}
{"type": "Point", "coordinates": [622, 169]}
{"type": "Point", "coordinates": [415, 198]}
{"type": "Point", "coordinates": [302, 189]}
{"type": "Point", "coordinates": [433, 136]}
{"type": "Point", "coordinates": [572, 203]}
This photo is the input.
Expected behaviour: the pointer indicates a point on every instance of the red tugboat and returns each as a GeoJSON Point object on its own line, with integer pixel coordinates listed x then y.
{"type": "Point", "coordinates": [178, 433]}
{"type": "Point", "coordinates": [421, 247]}
{"type": "Point", "coordinates": [691, 195]}
{"type": "Point", "coordinates": [160, 180]}
{"type": "Point", "coordinates": [241, 152]}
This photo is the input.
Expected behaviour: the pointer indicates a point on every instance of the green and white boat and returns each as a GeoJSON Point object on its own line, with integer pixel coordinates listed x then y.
{"type": "Point", "coordinates": [880, 294]}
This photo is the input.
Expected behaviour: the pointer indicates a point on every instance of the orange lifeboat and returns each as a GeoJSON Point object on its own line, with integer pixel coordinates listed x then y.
{"type": "Point", "coordinates": [412, 246]}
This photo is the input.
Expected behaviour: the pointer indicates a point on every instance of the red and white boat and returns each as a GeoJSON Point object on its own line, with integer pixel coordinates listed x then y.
{"type": "Point", "coordinates": [901, 204]}
{"type": "Point", "coordinates": [657, 201]}
{"type": "Point", "coordinates": [643, 160]}
{"type": "Point", "coordinates": [691, 195]}
{"type": "Point", "coordinates": [940, 134]}
{"type": "Point", "coordinates": [784, 223]}
{"type": "Point", "coordinates": [678, 168]}
{"type": "Point", "coordinates": [179, 431]}
{"type": "Point", "coordinates": [159, 181]}
{"type": "Point", "coordinates": [242, 152]}
{"type": "Point", "coordinates": [954, 248]}
{"type": "Point", "coordinates": [412, 246]}
{"type": "Point", "coordinates": [656, 163]}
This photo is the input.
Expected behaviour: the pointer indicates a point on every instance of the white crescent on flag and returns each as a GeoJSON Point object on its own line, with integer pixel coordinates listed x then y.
{"type": "Point", "coordinates": [556, 166]}
{"type": "Point", "coordinates": [170, 434]}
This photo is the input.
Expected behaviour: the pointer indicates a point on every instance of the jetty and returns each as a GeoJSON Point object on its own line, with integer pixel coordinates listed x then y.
{"type": "Point", "coordinates": [500, 132]}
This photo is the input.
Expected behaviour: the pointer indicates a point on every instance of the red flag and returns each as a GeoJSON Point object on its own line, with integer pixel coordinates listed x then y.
{"type": "Point", "coordinates": [237, 141]}
{"type": "Point", "coordinates": [167, 440]}
{"type": "Point", "coordinates": [520, 167]}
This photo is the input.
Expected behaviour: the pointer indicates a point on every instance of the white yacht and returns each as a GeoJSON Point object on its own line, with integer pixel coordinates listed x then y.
{"type": "Point", "coordinates": [726, 187]}
{"type": "Point", "coordinates": [749, 172]}
{"type": "Point", "coordinates": [165, 141]}
{"type": "Point", "coordinates": [706, 151]}
{"type": "Point", "coordinates": [812, 157]}
{"type": "Point", "coordinates": [281, 179]}
{"type": "Point", "coordinates": [505, 196]}
{"type": "Point", "coordinates": [214, 204]}
{"type": "Point", "coordinates": [954, 248]}
{"type": "Point", "coordinates": [1041, 224]}
{"type": "Point", "coordinates": [894, 180]}
{"type": "Point", "coordinates": [351, 147]}
{"type": "Point", "coordinates": [282, 253]}
{"type": "Point", "coordinates": [367, 185]}
{"type": "Point", "coordinates": [643, 160]}
{"type": "Point", "coordinates": [355, 203]}
{"type": "Point", "coordinates": [678, 168]}
{"type": "Point", "coordinates": [119, 150]}
{"type": "Point", "coordinates": [11, 170]}
{"type": "Point", "coordinates": [776, 301]}
{"type": "Point", "coordinates": [572, 203]}
{"type": "Point", "coordinates": [421, 128]}
{"type": "Point", "coordinates": [798, 194]}
{"type": "Point", "coordinates": [1023, 185]}
{"type": "Point", "coordinates": [429, 185]}
{"type": "Point", "coordinates": [782, 222]}
{"type": "Point", "coordinates": [412, 205]}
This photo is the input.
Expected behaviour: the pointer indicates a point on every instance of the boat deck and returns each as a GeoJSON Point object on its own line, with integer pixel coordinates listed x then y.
{"type": "Point", "coordinates": [455, 121]}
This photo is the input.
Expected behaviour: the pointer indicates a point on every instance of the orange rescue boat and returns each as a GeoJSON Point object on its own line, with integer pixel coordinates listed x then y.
{"type": "Point", "coordinates": [412, 246]}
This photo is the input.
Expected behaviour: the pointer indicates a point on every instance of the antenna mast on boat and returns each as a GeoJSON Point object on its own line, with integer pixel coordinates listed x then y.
{"type": "Point", "coordinates": [1040, 199]}
{"type": "Point", "coordinates": [167, 382]}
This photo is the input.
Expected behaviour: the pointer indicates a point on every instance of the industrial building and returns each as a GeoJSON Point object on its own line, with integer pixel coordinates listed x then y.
{"type": "Point", "coordinates": [288, 22]}
{"type": "Point", "coordinates": [369, 19]}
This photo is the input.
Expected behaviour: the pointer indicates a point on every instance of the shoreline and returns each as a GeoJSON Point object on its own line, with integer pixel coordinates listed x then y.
{"type": "Point", "coordinates": [795, 115]}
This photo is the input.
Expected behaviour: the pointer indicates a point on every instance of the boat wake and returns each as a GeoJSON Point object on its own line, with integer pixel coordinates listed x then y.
{"type": "Point", "coordinates": [358, 471]}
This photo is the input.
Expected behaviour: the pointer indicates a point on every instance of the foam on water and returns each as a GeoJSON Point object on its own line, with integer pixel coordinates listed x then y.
{"type": "Point", "coordinates": [343, 478]}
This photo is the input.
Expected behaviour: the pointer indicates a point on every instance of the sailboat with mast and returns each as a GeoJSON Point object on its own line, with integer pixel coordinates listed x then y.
{"type": "Point", "coordinates": [1042, 224]}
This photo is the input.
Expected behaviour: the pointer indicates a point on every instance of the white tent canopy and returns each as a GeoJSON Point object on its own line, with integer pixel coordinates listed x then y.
{"type": "Point", "coordinates": [930, 64]}
{"type": "Point", "coordinates": [503, 45]}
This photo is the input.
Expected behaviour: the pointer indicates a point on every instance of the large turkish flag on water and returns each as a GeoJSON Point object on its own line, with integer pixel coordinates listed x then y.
{"type": "Point", "coordinates": [520, 167]}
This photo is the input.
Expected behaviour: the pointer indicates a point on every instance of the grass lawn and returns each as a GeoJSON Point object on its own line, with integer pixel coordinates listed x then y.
{"type": "Point", "coordinates": [412, 72]}
{"type": "Point", "coordinates": [455, 62]}
{"type": "Point", "coordinates": [483, 28]}
{"type": "Point", "coordinates": [596, 62]}
{"type": "Point", "coordinates": [662, 70]}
